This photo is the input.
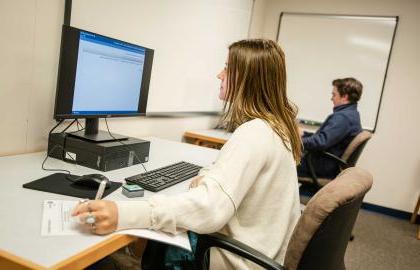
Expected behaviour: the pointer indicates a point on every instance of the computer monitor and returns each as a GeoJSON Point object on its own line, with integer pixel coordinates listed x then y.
{"type": "Point", "coordinates": [100, 77]}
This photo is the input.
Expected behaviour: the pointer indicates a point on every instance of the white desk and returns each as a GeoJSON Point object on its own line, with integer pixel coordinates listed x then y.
{"type": "Point", "coordinates": [21, 209]}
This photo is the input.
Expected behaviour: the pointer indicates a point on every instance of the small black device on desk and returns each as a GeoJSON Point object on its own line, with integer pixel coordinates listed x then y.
{"type": "Point", "coordinates": [165, 177]}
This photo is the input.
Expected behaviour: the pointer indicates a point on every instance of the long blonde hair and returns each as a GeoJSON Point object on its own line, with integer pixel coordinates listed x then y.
{"type": "Point", "coordinates": [256, 88]}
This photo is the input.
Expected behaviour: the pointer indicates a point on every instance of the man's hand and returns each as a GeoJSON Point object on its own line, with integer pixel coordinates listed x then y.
{"type": "Point", "coordinates": [104, 213]}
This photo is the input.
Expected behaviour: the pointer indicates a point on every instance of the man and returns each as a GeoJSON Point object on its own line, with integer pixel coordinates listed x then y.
{"type": "Point", "coordinates": [336, 132]}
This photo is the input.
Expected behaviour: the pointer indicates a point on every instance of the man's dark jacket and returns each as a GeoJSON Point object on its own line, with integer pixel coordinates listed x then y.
{"type": "Point", "coordinates": [333, 136]}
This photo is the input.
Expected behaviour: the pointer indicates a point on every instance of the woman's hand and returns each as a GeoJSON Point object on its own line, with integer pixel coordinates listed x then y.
{"type": "Point", "coordinates": [104, 213]}
{"type": "Point", "coordinates": [196, 181]}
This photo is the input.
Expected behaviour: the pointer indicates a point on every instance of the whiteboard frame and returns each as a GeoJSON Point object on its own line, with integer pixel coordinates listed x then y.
{"type": "Point", "coordinates": [373, 17]}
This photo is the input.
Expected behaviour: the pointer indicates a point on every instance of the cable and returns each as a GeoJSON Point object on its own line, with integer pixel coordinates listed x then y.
{"type": "Point", "coordinates": [72, 122]}
{"type": "Point", "coordinates": [49, 133]}
{"type": "Point", "coordinates": [79, 126]}
{"type": "Point", "coordinates": [55, 146]}
{"type": "Point", "coordinates": [127, 146]}
{"type": "Point", "coordinates": [48, 154]}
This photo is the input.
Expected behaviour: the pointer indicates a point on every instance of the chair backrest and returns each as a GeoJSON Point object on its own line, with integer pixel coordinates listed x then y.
{"type": "Point", "coordinates": [320, 238]}
{"type": "Point", "coordinates": [355, 148]}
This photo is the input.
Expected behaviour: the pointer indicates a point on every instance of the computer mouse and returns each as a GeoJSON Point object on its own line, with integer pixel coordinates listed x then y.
{"type": "Point", "coordinates": [92, 180]}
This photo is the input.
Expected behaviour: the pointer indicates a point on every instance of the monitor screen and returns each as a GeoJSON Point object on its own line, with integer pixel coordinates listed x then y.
{"type": "Point", "coordinates": [101, 76]}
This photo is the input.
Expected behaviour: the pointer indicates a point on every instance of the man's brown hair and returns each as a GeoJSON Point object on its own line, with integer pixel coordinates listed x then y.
{"type": "Point", "coordinates": [350, 87]}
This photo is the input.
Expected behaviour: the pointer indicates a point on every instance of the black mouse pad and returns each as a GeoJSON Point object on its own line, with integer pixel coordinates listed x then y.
{"type": "Point", "coordinates": [59, 184]}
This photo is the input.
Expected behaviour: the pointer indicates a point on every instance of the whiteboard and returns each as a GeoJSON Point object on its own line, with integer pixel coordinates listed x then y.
{"type": "Point", "coordinates": [190, 39]}
{"type": "Point", "coordinates": [320, 48]}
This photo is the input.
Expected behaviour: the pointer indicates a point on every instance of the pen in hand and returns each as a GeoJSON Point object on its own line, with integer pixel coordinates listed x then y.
{"type": "Point", "coordinates": [98, 196]}
{"type": "Point", "coordinates": [101, 190]}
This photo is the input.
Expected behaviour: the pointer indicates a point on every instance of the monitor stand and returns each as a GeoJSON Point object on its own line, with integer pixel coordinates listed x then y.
{"type": "Point", "coordinates": [91, 133]}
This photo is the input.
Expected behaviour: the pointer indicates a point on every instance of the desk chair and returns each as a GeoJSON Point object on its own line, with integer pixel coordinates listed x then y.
{"type": "Point", "coordinates": [347, 160]}
{"type": "Point", "coordinates": [320, 238]}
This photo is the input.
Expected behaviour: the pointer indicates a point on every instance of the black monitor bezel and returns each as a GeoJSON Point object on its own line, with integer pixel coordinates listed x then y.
{"type": "Point", "coordinates": [67, 75]}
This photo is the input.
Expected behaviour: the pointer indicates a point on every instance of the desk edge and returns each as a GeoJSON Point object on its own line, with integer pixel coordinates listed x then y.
{"type": "Point", "coordinates": [95, 253]}
{"type": "Point", "coordinates": [9, 260]}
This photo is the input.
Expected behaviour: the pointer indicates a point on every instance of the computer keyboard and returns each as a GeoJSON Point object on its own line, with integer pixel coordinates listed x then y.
{"type": "Point", "coordinates": [165, 177]}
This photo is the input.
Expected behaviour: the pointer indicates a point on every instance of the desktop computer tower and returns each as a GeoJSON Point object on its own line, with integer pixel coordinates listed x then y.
{"type": "Point", "coordinates": [103, 156]}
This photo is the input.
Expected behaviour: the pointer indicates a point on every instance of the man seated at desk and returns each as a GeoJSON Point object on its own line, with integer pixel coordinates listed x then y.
{"type": "Point", "coordinates": [337, 131]}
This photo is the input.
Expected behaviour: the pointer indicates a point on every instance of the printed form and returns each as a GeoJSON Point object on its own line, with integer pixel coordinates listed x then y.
{"type": "Point", "coordinates": [57, 219]}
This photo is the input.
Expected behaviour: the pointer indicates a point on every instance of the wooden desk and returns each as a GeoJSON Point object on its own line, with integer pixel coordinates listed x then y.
{"type": "Point", "coordinates": [21, 243]}
{"type": "Point", "coordinates": [212, 138]}
{"type": "Point", "coordinates": [216, 138]}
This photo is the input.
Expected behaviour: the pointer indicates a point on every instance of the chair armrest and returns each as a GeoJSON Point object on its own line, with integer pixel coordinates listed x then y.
{"type": "Point", "coordinates": [207, 241]}
{"type": "Point", "coordinates": [341, 162]}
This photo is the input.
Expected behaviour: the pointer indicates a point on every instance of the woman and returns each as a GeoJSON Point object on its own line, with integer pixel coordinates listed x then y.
{"type": "Point", "coordinates": [251, 191]}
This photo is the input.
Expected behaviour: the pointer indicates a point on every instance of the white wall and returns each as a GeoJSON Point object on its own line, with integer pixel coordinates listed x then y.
{"type": "Point", "coordinates": [393, 154]}
{"type": "Point", "coordinates": [179, 32]}
{"type": "Point", "coordinates": [30, 31]}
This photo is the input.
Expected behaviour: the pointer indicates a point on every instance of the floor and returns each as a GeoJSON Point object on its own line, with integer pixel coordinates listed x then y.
{"type": "Point", "coordinates": [383, 242]}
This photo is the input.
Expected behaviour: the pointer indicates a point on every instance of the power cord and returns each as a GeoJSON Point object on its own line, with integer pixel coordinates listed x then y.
{"type": "Point", "coordinates": [59, 123]}
{"type": "Point", "coordinates": [72, 122]}
{"type": "Point", "coordinates": [55, 147]}
{"type": "Point", "coordinates": [127, 146]}
{"type": "Point", "coordinates": [79, 126]}
{"type": "Point", "coordinates": [45, 160]}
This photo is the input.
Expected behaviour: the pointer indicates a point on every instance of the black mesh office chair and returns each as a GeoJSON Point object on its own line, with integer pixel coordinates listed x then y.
{"type": "Point", "coordinates": [320, 238]}
{"type": "Point", "coordinates": [347, 160]}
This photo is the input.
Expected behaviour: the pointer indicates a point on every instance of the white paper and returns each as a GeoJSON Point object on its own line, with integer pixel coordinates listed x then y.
{"type": "Point", "coordinates": [179, 240]}
{"type": "Point", "coordinates": [57, 220]}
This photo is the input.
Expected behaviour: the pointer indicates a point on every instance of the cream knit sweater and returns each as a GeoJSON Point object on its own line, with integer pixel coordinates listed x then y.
{"type": "Point", "coordinates": [250, 193]}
